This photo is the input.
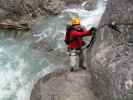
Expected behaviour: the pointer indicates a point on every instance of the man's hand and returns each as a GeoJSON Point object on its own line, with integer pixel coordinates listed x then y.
{"type": "Point", "coordinates": [93, 29]}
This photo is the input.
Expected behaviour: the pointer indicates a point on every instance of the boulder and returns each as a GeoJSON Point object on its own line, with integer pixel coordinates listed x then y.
{"type": "Point", "coordinates": [90, 4]}
{"type": "Point", "coordinates": [63, 85]}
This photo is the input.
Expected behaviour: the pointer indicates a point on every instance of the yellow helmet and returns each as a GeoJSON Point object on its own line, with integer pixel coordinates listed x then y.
{"type": "Point", "coordinates": [75, 21]}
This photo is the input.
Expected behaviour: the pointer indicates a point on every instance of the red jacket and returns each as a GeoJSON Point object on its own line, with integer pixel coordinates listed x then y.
{"type": "Point", "coordinates": [78, 42]}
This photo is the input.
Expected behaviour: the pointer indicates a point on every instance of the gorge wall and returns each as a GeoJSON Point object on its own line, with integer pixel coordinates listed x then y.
{"type": "Point", "coordinates": [112, 54]}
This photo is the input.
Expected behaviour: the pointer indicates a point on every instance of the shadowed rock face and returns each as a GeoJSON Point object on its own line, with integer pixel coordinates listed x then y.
{"type": "Point", "coordinates": [112, 54]}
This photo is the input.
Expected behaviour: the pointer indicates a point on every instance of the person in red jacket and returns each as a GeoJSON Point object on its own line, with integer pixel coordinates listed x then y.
{"type": "Point", "coordinates": [74, 40]}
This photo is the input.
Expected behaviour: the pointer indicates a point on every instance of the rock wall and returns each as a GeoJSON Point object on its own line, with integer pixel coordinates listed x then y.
{"type": "Point", "coordinates": [112, 54]}
{"type": "Point", "coordinates": [33, 8]}
{"type": "Point", "coordinates": [15, 9]}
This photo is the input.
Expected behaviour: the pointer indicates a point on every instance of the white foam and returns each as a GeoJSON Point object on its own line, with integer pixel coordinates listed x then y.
{"type": "Point", "coordinates": [11, 80]}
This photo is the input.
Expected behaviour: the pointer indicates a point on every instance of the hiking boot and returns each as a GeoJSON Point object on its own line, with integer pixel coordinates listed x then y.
{"type": "Point", "coordinates": [71, 69]}
{"type": "Point", "coordinates": [82, 67]}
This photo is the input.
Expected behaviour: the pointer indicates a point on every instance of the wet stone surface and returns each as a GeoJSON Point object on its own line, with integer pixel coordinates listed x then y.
{"type": "Point", "coordinates": [64, 86]}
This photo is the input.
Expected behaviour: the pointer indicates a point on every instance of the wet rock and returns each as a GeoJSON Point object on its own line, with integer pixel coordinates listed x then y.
{"type": "Point", "coordinates": [90, 4]}
{"type": "Point", "coordinates": [87, 4]}
{"type": "Point", "coordinates": [3, 13]}
{"type": "Point", "coordinates": [112, 57]}
{"type": "Point", "coordinates": [52, 7]}
{"type": "Point", "coordinates": [63, 85]}
{"type": "Point", "coordinates": [69, 2]}
{"type": "Point", "coordinates": [32, 9]}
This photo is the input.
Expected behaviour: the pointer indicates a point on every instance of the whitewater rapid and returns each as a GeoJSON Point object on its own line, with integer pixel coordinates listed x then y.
{"type": "Point", "coordinates": [21, 66]}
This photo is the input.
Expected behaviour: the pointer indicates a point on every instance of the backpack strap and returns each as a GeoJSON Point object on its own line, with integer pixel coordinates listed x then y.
{"type": "Point", "coordinates": [68, 31]}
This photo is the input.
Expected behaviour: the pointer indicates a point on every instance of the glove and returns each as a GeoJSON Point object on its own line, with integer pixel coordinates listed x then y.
{"type": "Point", "coordinates": [93, 29]}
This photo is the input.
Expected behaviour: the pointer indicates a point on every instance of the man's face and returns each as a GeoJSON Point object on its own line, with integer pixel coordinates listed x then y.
{"type": "Point", "coordinates": [76, 27]}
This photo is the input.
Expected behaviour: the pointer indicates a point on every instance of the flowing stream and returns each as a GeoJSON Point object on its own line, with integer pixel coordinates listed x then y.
{"type": "Point", "coordinates": [23, 62]}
